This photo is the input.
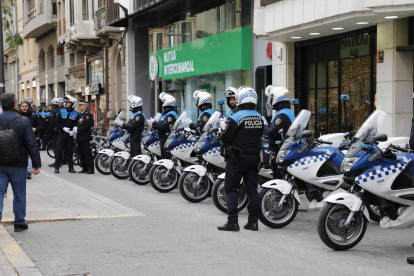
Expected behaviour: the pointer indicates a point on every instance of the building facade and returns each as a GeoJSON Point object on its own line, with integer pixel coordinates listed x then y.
{"type": "Point", "coordinates": [330, 48]}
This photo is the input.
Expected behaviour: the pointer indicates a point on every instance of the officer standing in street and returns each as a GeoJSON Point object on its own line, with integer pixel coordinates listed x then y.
{"type": "Point", "coordinates": [84, 137]}
{"type": "Point", "coordinates": [42, 133]}
{"type": "Point", "coordinates": [135, 124]}
{"type": "Point", "coordinates": [284, 117]}
{"type": "Point", "coordinates": [168, 118]}
{"type": "Point", "coordinates": [204, 101]}
{"type": "Point", "coordinates": [242, 145]}
{"type": "Point", "coordinates": [53, 132]}
{"type": "Point", "coordinates": [66, 120]}
{"type": "Point", "coordinates": [230, 95]}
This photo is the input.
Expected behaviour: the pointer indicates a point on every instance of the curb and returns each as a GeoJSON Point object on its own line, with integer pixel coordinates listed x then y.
{"type": "Point", "coordinates": [21, 263]}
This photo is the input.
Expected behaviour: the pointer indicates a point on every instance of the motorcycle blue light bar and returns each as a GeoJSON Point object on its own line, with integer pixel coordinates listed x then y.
{"type": "Point", "coordinates": [220, 102]}
{"type": "Point", "coordinates": [344, 144]}
{"type": "Point", "coordinates": [365, 146]}
{"type": "Point", "coordinates": [294, 101]}
{"type": "Point", "coordinates": [278, 142]}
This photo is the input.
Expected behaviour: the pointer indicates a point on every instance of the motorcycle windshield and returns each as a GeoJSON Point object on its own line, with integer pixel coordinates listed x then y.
{"type": "Point", "coordinates": [179, 122]}
{"type": "Point", "coordinates": [296, 129]}
{"type": "Point", "coordinates": [366, 133]}
{"type": "Point", "coordinates": [120, 115]}
{"type": "Point", "coordinates": [212, 122]}
{"type": "Point", "coordinates": [157, 117]}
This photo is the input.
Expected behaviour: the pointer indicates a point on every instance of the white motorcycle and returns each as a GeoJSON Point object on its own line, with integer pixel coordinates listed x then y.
{"type": "Point", "coordinates": [140, 166]}
{"type": "Point", "coordinates": [118, 165]}
{"type": "Point", "coordinates": [380, 177]}
{"type": "Point", "coordinates": [165, 173]}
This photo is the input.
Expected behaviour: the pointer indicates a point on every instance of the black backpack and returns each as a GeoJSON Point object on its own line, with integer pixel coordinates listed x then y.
{"type": "Point", "coordinates": [9, 145]}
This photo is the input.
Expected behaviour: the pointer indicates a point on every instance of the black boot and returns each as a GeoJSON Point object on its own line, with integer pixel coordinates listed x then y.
{"type": "Point", "coordinates": [410, 260]}
{"type": "Point", "coordinates": [229, 227]}
{"type": "Point", "coordinates": [56, 170]}
{"type": "Point", "coordinates": [90, 172]}
{"type": "Point", "coordinates": [71, 170]}
{"type": "Point", "coordinates": [20, 227]}
{"type": "Point", "coordinates": [83, 171]}
{"type": "Point", "coordinates": [251, 226]}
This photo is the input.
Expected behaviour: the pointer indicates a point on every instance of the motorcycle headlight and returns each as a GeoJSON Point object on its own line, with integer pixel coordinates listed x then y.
{"type": "Point", "coordinates": [198, 146]}
{"type": "Point", "coordinates": [281, 155]}
{"type": "Point", "coordinates": [348, 163]}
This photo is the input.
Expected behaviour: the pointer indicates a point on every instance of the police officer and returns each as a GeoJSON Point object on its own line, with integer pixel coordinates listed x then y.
{"type": "Point", "coordinates": [53, 132]}
{"type": "Point", "coordinates": [84, 137]}
{"type": "Point", "coordinates": [230, 95]}
{"type": "Point", "coordinates": [168, 117]}
{"type": "Point", "coordinates": [42, 135]}
{"type": "Point", "coordinates": [135, 124]}
{"type": "Point", "coordinates": [280, 100]}
{"type": "Point", "coordinates": [242, 144]}
{"type": "Point", "coordinates": [66, 120]}
{"type": "Point", "coordinates": [204, 101]}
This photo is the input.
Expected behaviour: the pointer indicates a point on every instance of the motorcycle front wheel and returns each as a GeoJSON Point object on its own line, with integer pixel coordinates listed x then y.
{"type": "Point", "coordinates": [191, 189]}
{"type": "Point", "coordinates": [273, 215]}
{"type": "Point", "coordinates": [218, 194]}
{"type": "Point", "coordinates": [102, 161]}
{"type": "Point", "coordinates": [332, 229]}
{"type": "Point", "coordinates": [117, 168]}
{"type": "Point", "coordinates": [162, 180]}
{"type": "Point", "coordinates": [50, 149]}
{"type": "Point", "coordinates": [139, 172]}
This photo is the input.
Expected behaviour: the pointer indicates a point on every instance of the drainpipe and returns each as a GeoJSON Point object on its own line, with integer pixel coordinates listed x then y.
{"type": "Point", "coordinates": [106, 89]}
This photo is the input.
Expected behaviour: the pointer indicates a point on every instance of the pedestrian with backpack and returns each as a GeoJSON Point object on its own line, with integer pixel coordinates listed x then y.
{"type": "Point", "coordinates": [17, 142]}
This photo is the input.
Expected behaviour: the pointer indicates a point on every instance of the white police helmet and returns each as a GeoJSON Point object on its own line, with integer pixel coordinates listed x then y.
{"type": "Point", "coordinates": [279, 94]}
{"type": "Point", "coordinates": [69, 98]}
{"type": "Point", "coordinates": [55, 101]}
{"type": "Point", "coordinates": [135, 101]}
{"type": "Point", "coordinates": [61, 101]}
{"type": "Point", "coordinates": [230, 92]}
{"type": "Point", "coordinates": [267, 90]}
{"type": "Point", "coordinates": [246, 94]}
{"type": "Point", "coordinates": [28, 100]}
{"type": "Point", "coordinates": [203, 97]}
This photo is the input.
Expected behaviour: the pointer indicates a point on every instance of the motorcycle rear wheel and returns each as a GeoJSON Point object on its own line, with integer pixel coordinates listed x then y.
{"type": "Point", "coordinates": [332, 230]}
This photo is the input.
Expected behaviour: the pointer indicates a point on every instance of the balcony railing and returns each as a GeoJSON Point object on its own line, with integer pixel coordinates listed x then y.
{"type": "Point", "coordinates": [99, 20]}
{"type": "Point", "coordinates": [31, 14]}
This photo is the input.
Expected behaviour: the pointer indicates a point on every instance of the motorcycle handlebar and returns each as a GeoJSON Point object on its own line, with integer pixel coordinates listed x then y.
{"type": "Point", "coordinates": [324, 142]}
{"type": "Point", "coordinates": [399, 148]}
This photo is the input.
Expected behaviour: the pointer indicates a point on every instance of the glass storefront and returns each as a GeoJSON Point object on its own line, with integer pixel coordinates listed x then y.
{"type": "Point", "coordinates": [345, 65]}
{"type": "Point", "coordinates": [209, 50]}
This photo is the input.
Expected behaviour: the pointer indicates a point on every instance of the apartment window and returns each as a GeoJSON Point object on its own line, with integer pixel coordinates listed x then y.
{"type": "Point", "coordinates": [32, 9]}
{"type": "Point", "coordinates": [72, 13]}
{"type": "Point", "coordinates": [171, 36]}
{"type": "Point", "coordinates": [151, 43]}
{"type": "Point", "coordinates": [54, 9]}
{"type": "Point", "coordinates": [159, 41]}
{"type": "Point", "coordinates": [85, 9]}
{"type": "Point", "coordinates": [42, 61]}
{"type": "Point", "coordinates": [72, 60]}
{"type": "Point", "coordinates": [51, 58]}
{"type": "Point", "coordinates": [101, 4]}
{"type": "Point", "coordinates": [186, 32]}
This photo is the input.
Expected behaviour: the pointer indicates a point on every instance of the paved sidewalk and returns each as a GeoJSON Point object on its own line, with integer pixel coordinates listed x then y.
{"type": "Point", "coordinates": [50, 198]}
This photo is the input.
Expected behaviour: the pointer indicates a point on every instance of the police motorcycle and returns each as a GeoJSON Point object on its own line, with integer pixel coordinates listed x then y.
{"type": "Point", "coordinates": [140, 166]}
{"type": "Point", "coordinates": [309, 168]}
{"type": "Point", "coordinates": [103, 158]}
{"type": "Point", "coordinates": [180, 143]}
{"type": "Point", "coordinates": [119, 162]}
{"type": "Point", "coordinates": [380, 177]}
{"type": "Point", "coordinates": [196, 182]}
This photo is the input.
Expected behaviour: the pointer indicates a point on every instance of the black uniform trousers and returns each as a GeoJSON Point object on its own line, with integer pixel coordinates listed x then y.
{"type": "Point", "coordinates": [164, 153]}
{"type": "Point", "coordinates": [245, 167]}
{"type": "Point", "coordinates": [135, 144]}
{"type": "Point", "coordinates": [85, 156]}
{"type": "Point", "coordinates": [65, 144]}
{"type": "Point", "coordinates": [277, 174]}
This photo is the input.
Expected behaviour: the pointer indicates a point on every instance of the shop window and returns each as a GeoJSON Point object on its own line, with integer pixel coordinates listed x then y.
{"type": "Point", "coordinates": [96, 72]}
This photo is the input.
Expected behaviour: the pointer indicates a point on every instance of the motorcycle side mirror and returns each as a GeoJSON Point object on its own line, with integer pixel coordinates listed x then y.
{"type": "Point", "coordinates": [307, 134]}
{"type": "Point", "coordinates": [381, 137]}
{"type": "Point", "coordinates": [347, 135]}
{"type": "Point", "coordinates": [180, 128]}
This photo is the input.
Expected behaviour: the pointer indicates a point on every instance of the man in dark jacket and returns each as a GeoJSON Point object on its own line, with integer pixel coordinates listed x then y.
{"type": "Point", "coordinates": [84, 138]}
{"type": "Point", "coordinates": [16, 174]}
{"type": "Point", "coordinates": [26, 111]}
{"type": "Point", "coordinates": [53, 133]}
